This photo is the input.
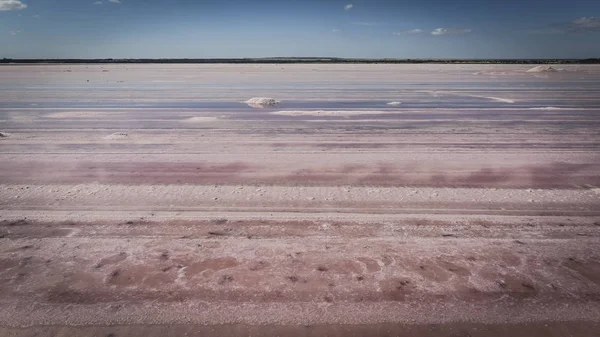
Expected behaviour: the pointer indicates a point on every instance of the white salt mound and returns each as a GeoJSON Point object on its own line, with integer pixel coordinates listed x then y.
{"type": "Point", "coordinates": [117, 136]}
{"type": "Point", "coordinates": [394, 103]}
{"type": "Point", "coordinates": [4, 135]}
{"type": "Point", "coordinates": [542, 69]}
{"type": "Point", "coordinates": [261, 102]}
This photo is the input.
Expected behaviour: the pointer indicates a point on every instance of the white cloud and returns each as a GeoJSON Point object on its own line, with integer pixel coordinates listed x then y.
{"type": "Point", "coordinates": [14, 32]}
{"type": "Point", "coordinates": [98, 3]}
{"type": "Point", "coordinates": [450, 31]}
{"type": "Point", "coordinates": [336, 30]}
{"type": "Point", "coordinates": [11, 5]}
{"type": "Point", "coordinates": [585, 24]}
{"type": "Point", "coordinates": [348, 7]}
{"type": "Point", "coordinates": [115, 1]}
{"type": "Point", "coordinates": [409, 32]}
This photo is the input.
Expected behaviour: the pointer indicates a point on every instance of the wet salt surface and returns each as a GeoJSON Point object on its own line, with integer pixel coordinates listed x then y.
{"type": "Point", "coordinates": [451, 102]}
{"type": "Point", "coordinates": [203, 96]}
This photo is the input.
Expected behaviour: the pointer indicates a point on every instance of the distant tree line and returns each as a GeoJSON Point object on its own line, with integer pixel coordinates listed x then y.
{"type": "Point", "coordinates": [313, 60]}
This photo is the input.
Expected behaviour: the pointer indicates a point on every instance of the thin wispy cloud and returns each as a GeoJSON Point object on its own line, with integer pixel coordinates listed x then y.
{"type": "Point", "coordinates": [546, 31]}
{"type": "Point", "coordinates": [336, 30]}
{"type": "Point", "coordinates": [348, 7]}
{"type": "Point", "coordinates": [450, 31]}
{"type": "Point", "coordinates": [111, 1]}
{"type": "Point", "coordinates": [365, 23]}
{"type": "Point", "coordinates": [410, 32]}
{"type": "Point", "coordinates": [14, 32]}
{"type": "Point", "coordinates": [585, 24]}
{"type": "Point", "coordinates": [11, 5]}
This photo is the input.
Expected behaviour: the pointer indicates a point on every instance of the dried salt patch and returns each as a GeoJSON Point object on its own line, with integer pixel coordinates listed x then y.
{"type": "Point", "coordinates": [201, 119]}
{"type": "Point", "coordinates": [332, 113]}
{"type": "Point", "coordinates": [261, 102]}
{"type": "Point", "coordinates": [542, 69]}
{"type": "Point", "coordinates": [21, 118]}
{"type": "Point", "coordinates": [499, 99]}
{"type": "Point", "coordinates": [491, 73]}
{"type": "Point", "coordinates": [73, 114]}
{"type": "Point", "coordinates": [117, 136]}
{"type": "Point", "coordinates": [546, 108]}
{"type": "Point", "coordinates": [394, 103]}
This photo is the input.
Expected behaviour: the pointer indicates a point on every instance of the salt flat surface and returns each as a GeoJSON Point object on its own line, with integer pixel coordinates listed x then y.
{"type": "Point", "coordinates": [152, 195]}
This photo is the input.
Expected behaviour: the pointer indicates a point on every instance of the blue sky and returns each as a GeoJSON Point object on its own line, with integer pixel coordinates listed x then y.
{"type": "Point", "coordinates": [260, 28]}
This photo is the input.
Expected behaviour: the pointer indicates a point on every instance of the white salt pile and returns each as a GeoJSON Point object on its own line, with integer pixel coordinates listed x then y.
{"type": "Point", "coordinates": [261, 102]}
{"type": "Point", "coordinates": [394, 103]}
{"type": "Point", "coordinates": [117, 136]}
{"type": "Point", "coordinates": [4, 134]}
{"type": "Point", "coordinates": [542, 69]}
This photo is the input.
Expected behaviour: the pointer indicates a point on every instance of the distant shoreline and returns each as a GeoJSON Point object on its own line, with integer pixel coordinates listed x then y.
{"type": "Point", "coordinates": [299, 60]}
